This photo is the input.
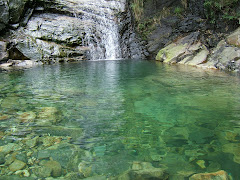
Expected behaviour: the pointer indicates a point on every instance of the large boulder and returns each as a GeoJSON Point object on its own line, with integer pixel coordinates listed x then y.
{"type": "Point", "coordinates": [226, 55]}
{"type": "Point", "coordinates": [50, 36]}
{"type": "Point", "coordinates": [219, 175]}
{"type": "Point", "coordinates": [143, 170]}
{"type": "Point", "coordinates": [188, 50]}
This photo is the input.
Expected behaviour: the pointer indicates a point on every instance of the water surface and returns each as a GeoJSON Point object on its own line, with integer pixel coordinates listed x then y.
{"type": "Point", "coordinates": [180, 118]}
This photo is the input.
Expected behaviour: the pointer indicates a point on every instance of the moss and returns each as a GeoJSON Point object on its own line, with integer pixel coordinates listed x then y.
{"type": "Point", "coordinates": [171, 53]}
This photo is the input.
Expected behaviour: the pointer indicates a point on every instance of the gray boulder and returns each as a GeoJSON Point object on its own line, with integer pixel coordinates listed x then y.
{"type": "Point", "coordinates": [3, 51]}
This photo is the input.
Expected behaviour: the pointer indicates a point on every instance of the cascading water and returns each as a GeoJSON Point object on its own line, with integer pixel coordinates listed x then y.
{"type": "Point", "coordinates": [101, 28]}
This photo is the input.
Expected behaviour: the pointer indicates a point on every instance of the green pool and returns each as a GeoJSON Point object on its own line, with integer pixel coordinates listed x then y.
{"type": "Point", "coordinates": [97, 118]}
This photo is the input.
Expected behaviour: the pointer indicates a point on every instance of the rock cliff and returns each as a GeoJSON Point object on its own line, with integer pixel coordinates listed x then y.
{"type": "Point", "coordinates": [61, 30]}
{"type": "Point", "coordinates": [189, 31]}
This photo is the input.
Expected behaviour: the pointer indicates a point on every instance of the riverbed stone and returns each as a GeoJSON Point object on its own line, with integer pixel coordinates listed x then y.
{"type": "Point", "coordinates": [219, 175]}
{"type": "Point", "coordinates": [43, 154]}
{"type": "Point", "coordinates": [55, 167]}
{"type": "Point", "coordinates": [3, 117]}
{"type": "Point", "coordinates": [42, 171]}
{"type": "Point", "coordinates": [22, 156]}
{"type": "Point", "coordinates": [142, 171]}
{"type": "Point", "coordinates": [17, 165]}
{"type": "Point", "coordinates": [233, 148]}
{"type": "Point", "coordinates": [201, 164]}
{"type": "Point", "coordinates": [85, 168]}
{"type": "Point", "coordinates": [6, 149]}
{"type": "Point", "coordinates": [10, 102]}
{"type": "Point", "coordinates": [32, 142]}
{"type": "Point", "coordinates": [47, 116]}
{"type": "Point", "coordinates": [24, 173]}
{"type": "Point", "coordinates": [27, 117]}
{"type": "Point", "coordinates": [2, 158]}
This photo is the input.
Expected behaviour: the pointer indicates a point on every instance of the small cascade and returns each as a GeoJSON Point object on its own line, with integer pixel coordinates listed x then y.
{"type": "Point", "coordinates": [101, 28]}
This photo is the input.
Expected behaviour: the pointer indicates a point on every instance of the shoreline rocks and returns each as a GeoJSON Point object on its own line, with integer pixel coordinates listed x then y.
{"type": "Point", "coordinates": [189, 50]}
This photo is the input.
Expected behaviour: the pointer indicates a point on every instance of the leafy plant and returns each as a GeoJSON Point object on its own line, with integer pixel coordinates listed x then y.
{"type": "Point", "coordinates": [221, 8]}
{"type": "Point", "coordinates": [178, 11]}
{"type": "Point", "coordinates": [137, 7]}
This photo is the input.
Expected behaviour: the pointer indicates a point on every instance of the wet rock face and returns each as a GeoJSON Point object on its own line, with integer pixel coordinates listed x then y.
{"type": "Point", "coordinates": [12, 11]}
{"type": "Point", "coordinates": [63, 30]}
{"type": "Point", "coordinates": [4, 16]}
{"type": "Point", "coordinates": [52, 36]}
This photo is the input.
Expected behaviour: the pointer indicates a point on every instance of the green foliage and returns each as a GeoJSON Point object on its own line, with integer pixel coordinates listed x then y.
{"type": "Point", "coordinates": [137, 7]}
{"type": "Point", "coordinates": [145, 28]}
{"type": "Point", "coordinates": [221, 8]}
{"type": "Point", "coordinates": [178, 11]}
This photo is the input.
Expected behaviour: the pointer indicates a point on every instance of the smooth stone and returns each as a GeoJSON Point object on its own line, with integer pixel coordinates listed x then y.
{"type": "Point", "coordinates": [55, 167]}
{"type": "Point", "coordinates": [10, 102]}
{"type": "Point", "coordinates": [85, 168]}
{"type": "Point", "coordinates": [24, 173]}
{"type": "Point", "coordinates": [142, 171]}
{"type": "Point", "coordinates": [27, 117]}
{"type": "Point", "coordinates": [3, 117]}
{"type": "Point", "coordinates": [32, 142]}
{"type": "Point", "coordinates": [43, 154]}
{"type": "Point", "coordinates": [6, 149]}
{"type": "Point", "coordinates": [17, 165]}
{"type": "Point", "coordinates": [219, 175]}
{"type": "Point", "coordinates": [47, 116]}
{"type": "Point", "coordinates": [22, 157]}
{"type": "Point", "coordinates": [2, 158]}
{"type": "Point", "coordinates": [42, 172]}
{"type": "Point", "coordinates": [201, 163]}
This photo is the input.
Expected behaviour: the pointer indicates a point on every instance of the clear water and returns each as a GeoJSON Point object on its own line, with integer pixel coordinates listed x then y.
{"type": "Point", "coordinates": [128, 110]}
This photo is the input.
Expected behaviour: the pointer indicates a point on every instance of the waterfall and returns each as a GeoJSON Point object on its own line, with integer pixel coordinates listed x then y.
{"type": "Point", "coordinates": [101, 28]}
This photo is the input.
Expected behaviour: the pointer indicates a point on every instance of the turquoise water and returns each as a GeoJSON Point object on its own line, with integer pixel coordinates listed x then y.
{"type": "Point", "coordinates": [181, 119]}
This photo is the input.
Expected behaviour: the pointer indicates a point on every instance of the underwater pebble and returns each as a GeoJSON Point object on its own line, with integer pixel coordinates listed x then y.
{"type": "Point", "coordinates": [55, 167]}
{"type": "Point", "coordinates": [219, 175]}
{"type": "Point", "coordinates": [201, 163]}
{"type": "Point", "coordinates": [17, 165]}
{"type": "Point", "coordinates": [24, 173]}
{"type": "Point", "coordinates": [85, 168]}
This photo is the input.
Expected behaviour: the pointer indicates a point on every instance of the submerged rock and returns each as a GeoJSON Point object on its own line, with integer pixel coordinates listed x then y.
{"type": "Point", "coordinates": [219, 175]}
{"type": "Point", "coordinates": [142, 171]}
{"type": "Point", "coordinates": [17, 165]}
{"type": "Point", "coordinates": [42, 171]}
{"type": "Point", "coordinates": [233, 148]}
{"type": "Point", "coordinates": [27, 117]}
{"type": "Point", "coordinates": [47, 116]}
{"type": "Point", "coordinates": [56, 169]}
{"type": "Point", "coordinates": [85, 168]}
